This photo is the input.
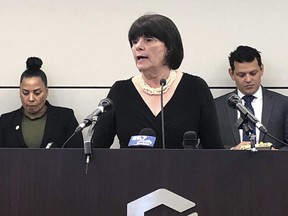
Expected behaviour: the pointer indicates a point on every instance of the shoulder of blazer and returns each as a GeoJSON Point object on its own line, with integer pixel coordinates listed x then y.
{"type": "Point", "coordinates": [275, 96]}
{"type": "Point", "coordinates": [13, 116]}
{"type": "Point", "coordinates": [221, 100]}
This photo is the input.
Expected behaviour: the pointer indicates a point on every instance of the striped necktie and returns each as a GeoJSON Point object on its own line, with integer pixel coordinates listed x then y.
{"type": "Point", "coordinates": [248, 99]}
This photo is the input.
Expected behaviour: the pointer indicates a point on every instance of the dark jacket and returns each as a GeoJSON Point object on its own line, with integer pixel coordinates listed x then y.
{"type": "Point", "coordinates": [274, 118]}
{"type": "Point", "coordinates": [60, 124]}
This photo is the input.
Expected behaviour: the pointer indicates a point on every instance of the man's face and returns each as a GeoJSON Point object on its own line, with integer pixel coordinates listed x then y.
{"type": "Point", "coordinates": [247, 76]}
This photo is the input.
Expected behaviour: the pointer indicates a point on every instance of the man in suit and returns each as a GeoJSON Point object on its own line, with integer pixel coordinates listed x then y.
{"type": "Point", "coordinates": [246, 70]}
{"type": "Point", "coordinates": [37, 124]}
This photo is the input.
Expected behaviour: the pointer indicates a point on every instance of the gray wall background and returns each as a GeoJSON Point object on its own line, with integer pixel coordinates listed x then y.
{"type": "Point", "coordinates": [83, 43]}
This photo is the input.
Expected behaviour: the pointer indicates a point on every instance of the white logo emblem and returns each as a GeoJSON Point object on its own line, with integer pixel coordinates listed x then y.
{"type": "Point", "coordinates": [161, 196]}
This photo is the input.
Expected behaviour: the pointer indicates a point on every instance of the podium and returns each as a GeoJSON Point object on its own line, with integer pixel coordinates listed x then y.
{"type": "Point", "coordinates": [52, 182]}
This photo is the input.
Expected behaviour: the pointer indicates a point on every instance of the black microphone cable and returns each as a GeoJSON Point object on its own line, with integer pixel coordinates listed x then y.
{"type": "Point", "coordinates": [70, 137]}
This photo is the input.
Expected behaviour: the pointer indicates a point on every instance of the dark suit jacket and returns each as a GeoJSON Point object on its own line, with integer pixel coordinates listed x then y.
{"type": "Point", "coordinates": [60, 124]}
{"type": "Point", "coordinates": [274, 118]}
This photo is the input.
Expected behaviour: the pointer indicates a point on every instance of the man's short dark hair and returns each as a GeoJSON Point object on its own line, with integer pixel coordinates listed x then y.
{"type": "Point", "coordinates": [244, 54]}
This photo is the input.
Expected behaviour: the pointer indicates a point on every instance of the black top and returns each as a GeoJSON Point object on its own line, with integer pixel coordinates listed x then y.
{"type": "Point", "coordinates": [191, 108]}
{"type": "Point", "coordinates": [60, 124]}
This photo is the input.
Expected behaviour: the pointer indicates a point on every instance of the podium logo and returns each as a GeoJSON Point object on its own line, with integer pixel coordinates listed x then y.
{"type": "Point", "coordinates": [161, 196]}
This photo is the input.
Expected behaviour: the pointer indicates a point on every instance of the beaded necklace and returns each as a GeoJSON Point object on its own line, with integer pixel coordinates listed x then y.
{"type": "Point", "coordinates": [157, 91]}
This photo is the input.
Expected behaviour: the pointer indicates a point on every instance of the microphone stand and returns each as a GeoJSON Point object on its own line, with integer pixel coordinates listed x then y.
{"type": "Point", "coordinates": [162, 83]}
{"type": "Point", "coordinates": [243, 123]}
{"type": "Point", "coordinates": [87, 144]}
{"type": "Point", "coordinates": [79, 129]}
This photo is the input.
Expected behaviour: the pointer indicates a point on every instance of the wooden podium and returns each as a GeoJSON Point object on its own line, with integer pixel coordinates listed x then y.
{"type": "Point", "coordinates": [52, 182]}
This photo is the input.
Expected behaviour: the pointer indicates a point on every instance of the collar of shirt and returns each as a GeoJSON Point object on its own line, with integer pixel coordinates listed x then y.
{"type": "Point", "coordinates": [258, 94]}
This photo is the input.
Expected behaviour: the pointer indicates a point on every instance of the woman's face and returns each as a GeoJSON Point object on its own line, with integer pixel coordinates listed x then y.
{"type": "Point", "coordinates": [149, 53]}
{"type": "Point", "coordinates": [33, 94]}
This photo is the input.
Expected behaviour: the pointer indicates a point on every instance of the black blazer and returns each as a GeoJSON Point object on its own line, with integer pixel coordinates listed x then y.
{"type": "Point", "coordinates": [274, 118]}
{"type": "Point", "coordinates": [60, 124]}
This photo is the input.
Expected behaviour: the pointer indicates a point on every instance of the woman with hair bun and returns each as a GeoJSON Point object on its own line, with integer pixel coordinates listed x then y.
{"type": "Point", "coordinates": [37, 124]}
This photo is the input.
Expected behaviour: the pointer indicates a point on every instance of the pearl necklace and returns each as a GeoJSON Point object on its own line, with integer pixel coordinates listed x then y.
{"type": "Point", "coordinates": [157, 91]}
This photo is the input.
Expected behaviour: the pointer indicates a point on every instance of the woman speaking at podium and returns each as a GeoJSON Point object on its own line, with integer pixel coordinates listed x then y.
{"type": "Point", "coordinates": [188, 103]}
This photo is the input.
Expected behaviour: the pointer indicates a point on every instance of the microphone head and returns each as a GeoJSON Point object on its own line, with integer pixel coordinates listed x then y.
{"type": "Point", "coordinates": [147, 132]}
{"type": "Point", "coordinates": [162, 82]}
{"type": "Point", "coordinates": [189, 139]}
{"type": "Point", "coordinates": [106, 103]}
{"type": "Point", "coordinates": [232, 100]}
{"type": "Point", "coordinates": [146, 138]}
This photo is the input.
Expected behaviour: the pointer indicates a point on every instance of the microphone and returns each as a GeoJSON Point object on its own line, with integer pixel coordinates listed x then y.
{"type": "Point", "coordinates": [234, 101]}
{"type": "Point", "coordinates": [146, 138]}
{"type": "Point", "coordinates": [162, 83]}
{"type": "Point", "coordinates": [189, 140]}
{"type": "Point", "coordinates": [103, 106]}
